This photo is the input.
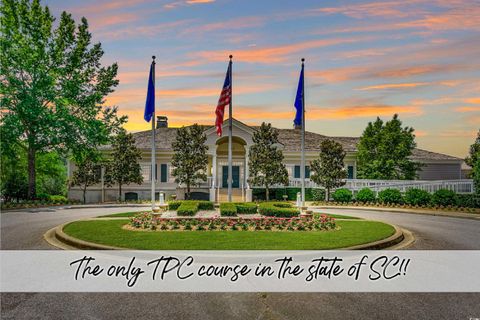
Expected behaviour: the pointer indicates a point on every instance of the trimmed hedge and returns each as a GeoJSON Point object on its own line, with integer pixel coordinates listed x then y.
{"type": "Point", "coordinates": [246, 207]}
{"type": "Point", "coordinates": [468, 200]}
{"type": "Point", "coordinates": [391, 196]}
{"type": "Point", "coordinates": [444, 197]}
{"type": "Point", "coordinates": [365, 195]}
{"type": "Point", "coordinates": [418, 197]}
{"type": "Point", "coordinates": [342, 195]}
{"type": "Point", "coordinates": [311, 194]}
{"type": "Point", "coordinates": [189, 208]}
{"type": "Point", "coordinates": [202, 204]}
{"type": "Point", "coordinates": [277, 209]}
{"type": "Point", "coordinates": [228, 209]}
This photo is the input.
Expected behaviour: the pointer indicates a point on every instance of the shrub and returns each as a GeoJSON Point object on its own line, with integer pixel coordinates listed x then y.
{"type": "Point", "coordinates": [202, 204]}
{"type": "Point", "coordinates": [42, 196]}
{"type": "Point", "coordinates": [365, 195]}
{"type": "Point", "coordinates": [318, 194]}
{"type": "Point", "coordinates": [417, 197]}
{"type": "Point", "coordinates": [468, 200]}
{"type": "Point", "coordinates": [205, 205]}
{"type": "Point", "coordinates": [444, 197]}
{"type": "Point", "coordinates": [342, 195]}
{"type": "Point", "coordinates": [277, 209]}
{"type": "Point", "coordinates": [189, 208]}
{"type": "Point", "coordinates": [392, 196]}
{"type": "Point", "coordinates": [58, 199]}
{"type": "Point", "coordinates": [173, 205]}
{"type": "Point", "coordinates": [246, 207]}
{"type": "Point", "coordinates": [228, 209]}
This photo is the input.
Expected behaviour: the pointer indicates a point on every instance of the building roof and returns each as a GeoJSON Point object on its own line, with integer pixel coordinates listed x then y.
{"type": "Point", "coordinates": [290, 139]}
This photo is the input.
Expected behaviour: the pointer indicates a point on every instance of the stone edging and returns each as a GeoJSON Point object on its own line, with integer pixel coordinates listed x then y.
{"type": "Point", "coordinates": [60, 239]}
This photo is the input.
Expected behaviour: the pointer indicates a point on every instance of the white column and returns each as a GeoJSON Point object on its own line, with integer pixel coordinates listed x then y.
{"type": "Point", "coordinates": [214, 178]}
{"type": "Point", "coordinates": [248, 191]}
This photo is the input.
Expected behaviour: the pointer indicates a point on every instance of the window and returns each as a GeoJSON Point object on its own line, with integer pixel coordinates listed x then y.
{"type": "Point", "coordinates": [146, 171]}
{"type": "Point", "coordinates": [163, 172]}
{"type": "Point", "coordinates": [350, 172]}
{"type": "Point", "coordinates": [297, 173]}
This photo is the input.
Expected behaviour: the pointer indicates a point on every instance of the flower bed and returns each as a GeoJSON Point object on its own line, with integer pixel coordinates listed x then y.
{"type": "Point", "coordinates": [147, 221]}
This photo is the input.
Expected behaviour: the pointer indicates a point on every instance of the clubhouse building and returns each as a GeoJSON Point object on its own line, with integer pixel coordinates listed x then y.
{"type": "Point", "coordinates": [436, 166]}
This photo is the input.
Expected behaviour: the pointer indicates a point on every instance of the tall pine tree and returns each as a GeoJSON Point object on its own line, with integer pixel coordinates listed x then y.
{"type": "Point", "coordinates": [329, 169]}
{"type": "Point", "coordinates": [266, 159]}
{"type": "Point", "coordinates": [190, 158]}
{"type": "Point", "coordinates": [122, 167]}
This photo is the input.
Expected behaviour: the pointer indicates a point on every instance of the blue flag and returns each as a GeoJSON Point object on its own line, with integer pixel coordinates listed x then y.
{"type": "Point", "coordinates": [150, 104]}
{"type": "Point", "coordinates": [299, 101]}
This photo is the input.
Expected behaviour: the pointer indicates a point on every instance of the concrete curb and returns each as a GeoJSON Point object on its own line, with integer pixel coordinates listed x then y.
{"type": "Point", "coordinates": [60, 239]}
{"type": "Point", "coordinates": [461, 215]}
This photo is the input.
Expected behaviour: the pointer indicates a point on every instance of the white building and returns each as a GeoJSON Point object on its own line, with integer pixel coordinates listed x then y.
{"type": "Point", "coordinates": [436, 166]}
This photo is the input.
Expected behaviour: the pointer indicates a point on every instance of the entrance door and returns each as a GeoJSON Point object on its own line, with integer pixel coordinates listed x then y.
{"type": "Point", "coordinates": [235, 177]}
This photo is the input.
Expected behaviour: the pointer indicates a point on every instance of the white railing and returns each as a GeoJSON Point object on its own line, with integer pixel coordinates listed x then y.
{"type": "Point", "coordinates": [459, 186]}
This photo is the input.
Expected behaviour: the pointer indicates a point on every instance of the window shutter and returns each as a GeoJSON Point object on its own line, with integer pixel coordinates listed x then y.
{"type": "Point", "coordinates": [297, 172]}
{"type": "Point", "coordinates": [163, 172]}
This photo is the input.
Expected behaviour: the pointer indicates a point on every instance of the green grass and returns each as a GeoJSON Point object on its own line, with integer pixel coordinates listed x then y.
{"type": "Point", "coordinates": [110, 232]}
{"type": "Point", "coordinates": [120, 215]}
{"type": "Point", "coordinates": [340, 216]}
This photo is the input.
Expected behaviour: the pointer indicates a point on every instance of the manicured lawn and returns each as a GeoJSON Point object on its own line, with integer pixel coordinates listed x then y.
{"type": "Point", "coordinates": [340, 216]}
{"type": "Point", "coordinates": [110, 232]}
{"type": "Point", "coordinates": [120, 215]}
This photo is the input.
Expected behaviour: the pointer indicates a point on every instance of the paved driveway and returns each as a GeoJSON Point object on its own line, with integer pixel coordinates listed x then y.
{"type": "Point", "coordinates": [24, 230]}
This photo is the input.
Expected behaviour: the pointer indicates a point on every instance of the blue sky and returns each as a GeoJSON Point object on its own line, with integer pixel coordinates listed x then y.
{"type": "Point", "coordinates": [363, 59]}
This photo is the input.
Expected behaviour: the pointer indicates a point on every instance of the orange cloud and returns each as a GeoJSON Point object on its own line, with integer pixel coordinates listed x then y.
{"type": "Point", "coordinates": [473, 100]}
{"type": "Point", "coordinates": [395, 86]}
{"type": "Point", "coordinates": [467, 109]}
{"type": "Point", "coordinates": [274, 54]}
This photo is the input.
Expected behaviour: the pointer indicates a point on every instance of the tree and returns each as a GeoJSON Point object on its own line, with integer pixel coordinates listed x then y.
{"type": "Point", "coordinates": [87, 173]}
{"type": "Point", "coordinates": [384, 151]}
{"type": "Point", "coordinates": [474, 153]}
{"type": "Point", "coordinates": [265, 159]}
{"type": "Point", "coordinates": [473, 160]}
{"type": "Point", "coordinates": [52, 84]}
{"type": "Point", "coordinates": [123, 167]}
{"type": "Point", "coordinates": [190, 158]}
{"type": "Point", "coordinates": [329, 169]}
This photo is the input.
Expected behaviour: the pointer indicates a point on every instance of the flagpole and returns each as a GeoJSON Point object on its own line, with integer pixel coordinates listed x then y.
{"type": "Point", "coordinates": [302, 169]}
{"type": "Point", "coordinates": [153, 142]}
{"type": "Point", "coordinates": [230, 125]}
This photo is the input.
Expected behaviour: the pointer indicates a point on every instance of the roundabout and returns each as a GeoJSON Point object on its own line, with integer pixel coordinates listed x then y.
{"type": "Point", "coordinates": [117, 232]}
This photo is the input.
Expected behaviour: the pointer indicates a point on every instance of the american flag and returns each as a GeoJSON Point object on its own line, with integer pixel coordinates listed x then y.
{"type": "Point", "coordinates": [224, 100]}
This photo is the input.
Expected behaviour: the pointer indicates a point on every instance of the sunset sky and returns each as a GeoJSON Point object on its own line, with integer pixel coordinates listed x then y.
{"type": "Point", "coordinates": [420, 59]}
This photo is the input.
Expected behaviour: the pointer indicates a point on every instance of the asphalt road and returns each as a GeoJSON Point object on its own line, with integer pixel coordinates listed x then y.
{"type": "Point", "coordinates": [24, 230]}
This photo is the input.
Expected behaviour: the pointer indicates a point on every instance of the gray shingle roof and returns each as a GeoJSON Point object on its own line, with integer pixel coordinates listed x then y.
{"type": "Point", "coordinates": [290, 138]}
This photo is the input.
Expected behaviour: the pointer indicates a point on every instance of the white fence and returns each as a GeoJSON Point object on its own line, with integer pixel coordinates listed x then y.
{"type": "Point", "coordinates": [459, 186]}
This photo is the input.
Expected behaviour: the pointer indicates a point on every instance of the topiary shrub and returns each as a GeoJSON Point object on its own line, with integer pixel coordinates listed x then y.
{"type": "Point", "coordinates": [187, 208]}
{"type": "Point", "coordinates": [318, 194]}
{"type": "Point", "coordinates": [228, 209]}
{"type": "Point", "coordinates": [365, 195]}
{"type": "Point", "coordinates": [277, 209]}
{"type": "Point", "coordinates": [246, 207]}
{"type": "Point", "coordinates": [417, 197]}
{"type": "Point", "coordinates": [174, 204]}
{"type": "Point", "coordinates": [468, 200]}
{"type": "Point", "coordinates": [342, 195]}
{"type": "Point", "coordinates": [391, 196]}
{"type": "Point", "coordinates": [444, 197]}
{"type": "Point", "coordinates": [205, 205]}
